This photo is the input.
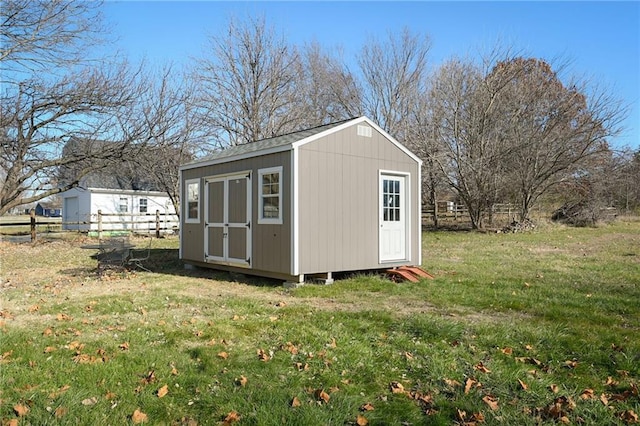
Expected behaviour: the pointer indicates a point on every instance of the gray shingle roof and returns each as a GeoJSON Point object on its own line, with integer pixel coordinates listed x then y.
{"type": "Point", "coordinates": [265, 144]}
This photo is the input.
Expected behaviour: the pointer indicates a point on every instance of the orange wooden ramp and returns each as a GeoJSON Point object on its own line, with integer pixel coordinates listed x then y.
{"type": "Point", "coordinates": [408, 273]}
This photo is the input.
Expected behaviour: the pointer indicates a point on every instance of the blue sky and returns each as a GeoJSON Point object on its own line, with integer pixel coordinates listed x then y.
{"type": "Point", "coordinates": [600, 39]}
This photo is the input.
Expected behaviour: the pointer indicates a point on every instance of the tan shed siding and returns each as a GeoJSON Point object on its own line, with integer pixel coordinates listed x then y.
{"type": "Point", "coordinates": [271, 244]}
{"type": "Point", "coordinates": [338, 200]}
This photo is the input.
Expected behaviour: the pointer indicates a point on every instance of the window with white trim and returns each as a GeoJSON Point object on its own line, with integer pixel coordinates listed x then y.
{"type": "Point", "coordinates": [270, 196]}
{"type": "Point", "coordinates": [123, 207]}
{"type": "Point", "coordinates": [192, 200]}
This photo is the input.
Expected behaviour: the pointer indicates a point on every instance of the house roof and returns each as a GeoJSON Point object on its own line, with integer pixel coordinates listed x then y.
{"type": "Point", "coordinates": [283, 143]}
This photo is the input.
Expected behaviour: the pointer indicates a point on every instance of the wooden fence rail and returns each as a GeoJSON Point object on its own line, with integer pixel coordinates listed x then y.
{"type": "Point", "coordinates": [449, 211]}
{"type": "Point", "coordinates": [99, 224]}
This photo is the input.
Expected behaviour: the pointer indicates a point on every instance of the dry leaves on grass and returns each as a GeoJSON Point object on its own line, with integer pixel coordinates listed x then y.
{"type": "Point", "coordinates": [232, 417]}
{"type": "Point", "coordinates": [295, 402]}
{"type": "Point", "coordinates": [21, 410]}
{"type": "Point", "coordinates": [163, 391]}
{"type": "Point", "coordinates": [139, 417]}
{"type": "Point", "coordinates": [321, 395]}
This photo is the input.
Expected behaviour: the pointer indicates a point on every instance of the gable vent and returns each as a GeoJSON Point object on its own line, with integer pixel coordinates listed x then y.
{"type": "Point", "coordinates": [364, 131]}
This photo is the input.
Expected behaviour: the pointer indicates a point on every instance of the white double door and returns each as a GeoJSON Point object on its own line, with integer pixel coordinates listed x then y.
{"type": "Point", "coordinates": [393, 218]}
{"type": "Point", "coordinates": [228, 219]}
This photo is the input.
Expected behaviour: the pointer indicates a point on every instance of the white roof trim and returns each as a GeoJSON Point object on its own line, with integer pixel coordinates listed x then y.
{"type": "Point", "coordinates": [350, 123]}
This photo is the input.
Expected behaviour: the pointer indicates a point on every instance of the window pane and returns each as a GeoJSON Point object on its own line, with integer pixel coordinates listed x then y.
{"type": "Point", "coordinates": [193, 198]}
{"type": "Point", "coordinates": [270, 207]}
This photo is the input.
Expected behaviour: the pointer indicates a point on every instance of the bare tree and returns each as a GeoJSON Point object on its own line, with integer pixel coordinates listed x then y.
{"type": "Point", "coordinates": [56, 95]}
{"type": "Point", "coordinates": [461, 106]}
{"type": "Point", "coordinates": [328, 90]}
{"type": "Point", "coordinates": [177, 135]}
{"type": "Point", "coordinates": [38, 117]}
{"type": "Point", "coordinates": [549, 128]}
{"type": "Point", "coordinates": [394, 73]}
{"type": "Point", "coordinates": [46, 34]}
{"type": "Point", "coordinates": [248, 84]}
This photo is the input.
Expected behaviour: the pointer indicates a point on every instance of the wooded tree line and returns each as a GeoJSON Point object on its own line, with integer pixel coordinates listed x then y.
{"type": "Point", "coordinates": [499, 127]}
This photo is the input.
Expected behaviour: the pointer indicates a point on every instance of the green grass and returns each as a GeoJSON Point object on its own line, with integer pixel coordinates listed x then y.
{"type": "Point", "coordinates": [555, 311]}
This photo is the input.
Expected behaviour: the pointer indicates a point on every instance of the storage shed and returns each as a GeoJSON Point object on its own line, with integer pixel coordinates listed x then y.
{"type": "Point", "coordinates": [340, 197]}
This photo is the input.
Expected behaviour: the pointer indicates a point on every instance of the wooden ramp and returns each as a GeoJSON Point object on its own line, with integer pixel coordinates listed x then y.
{"type": "Point", "coordinates": [408, 273]}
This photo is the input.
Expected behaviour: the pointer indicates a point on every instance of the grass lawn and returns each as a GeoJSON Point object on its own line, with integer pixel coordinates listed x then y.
{"type": "Point", "coordinates": [517, 329]}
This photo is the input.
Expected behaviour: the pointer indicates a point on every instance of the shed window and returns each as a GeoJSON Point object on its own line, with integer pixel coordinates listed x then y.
{"type": "Point", "coordinates": [193, 201]}
{"type": "Point", "coordinates": [143, 205]}
{"type": "Point", "coordinates": [270, 200]}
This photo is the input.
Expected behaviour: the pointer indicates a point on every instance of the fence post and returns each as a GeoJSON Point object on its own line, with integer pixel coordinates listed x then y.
{"type": "Point", "coordinates": [32, 214]}
{"type": "Point", "coordinates": [157, 223]}
{"type": "Point", "coordinates": [99, 224]}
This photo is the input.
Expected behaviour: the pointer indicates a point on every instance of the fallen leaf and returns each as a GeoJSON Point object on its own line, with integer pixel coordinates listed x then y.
{"type": "Point", "coordinates": [163, 391]}
{"type": "Point", "coordinates": [587, 394]}
{"type": "Point", "coordinates": [138, 417]}
{"type": "Point", "coordinates": [321, 395]}
{"type": "Point", "coordinates": [554, 388]}
{"type": "Point", "coordinates": [223, 355]}
{"type": "Point", "coordinates": [110, 396]}
{"type": "Point", "coordinates": [604, 399]}
{"type": "Point", "coordinates": [295, 402]}
{"type": "Point", "coordinates": [507, 351]}
{"type": "Point", "coordinates": [281, 304]}
{"type": "Point", "coordinates": [302, 367]}
{"type": "Point", "coordinates": [150, 377]}
{"type": "Point", "coordinates": [523, 385]}
{"type": "Point", "coordinates": [396, 387]}
{"type": "Point", "coordinates": [47, 332]}
{"type": "Point", "coordinates": [174, 371]}
{"type": "Point", "coordinates": [49, 349]}
{"type": "Point", "coordinates": [124, 346]}
{"type": "Point", "coordinates": [61, 412]}
{"type": "Point", "coordinates": [461, 415]}
{"type": "Point", "coordinates": [333, 343]}
{"type": "Point", "coordinates": [75, 345]}
{"type": "Point", "coordinates": [90, 401]}
{"type": "Point", "coordinates": [262, 355]}
{"type": "Point", "coordinates": [362, 420]}
{"type": "Point", "coordinates": [242, 381]}
{"type": "Point", "coordinates": [477, 418]}
{"type": "Point", "coordinates": [59, 392]}
{"type": "Point", "coordinates": [21, 410]}
{"type": "Point", "coordinates": [63, 317]}
{"type": "Point", "coordinates": [468, 385]}
{"type": "Point", "coordinates": [611, 382]}
{"type": "Point", "coordinates": [34, 308]}
{"type": "Point", "coordinates": [571, 364]}
{"type": "Point", "coordinates": [451, 382]}
{"type": "Point", "coordinates": [491, 401]}
{"type": "Point", "coordinates": [291, 348]}
{"type": "Point", "coordinates": [232, 417]}
{"type": "Point", "coordinates": [366, 407]}
{"type": "Point", "coordinates": [480, 367]}
{"type": "Point", "coordinates": [629, 416]}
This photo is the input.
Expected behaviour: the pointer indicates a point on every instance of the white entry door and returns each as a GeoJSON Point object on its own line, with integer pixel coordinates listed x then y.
{"type": "Point", "coordinates": [393, 218]}
{"type": "Point", "coordinates": [228, 220]}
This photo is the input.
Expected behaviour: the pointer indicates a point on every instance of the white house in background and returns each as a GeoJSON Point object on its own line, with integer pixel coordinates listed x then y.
{"type": "Point", "coordinates": [121, 210]}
